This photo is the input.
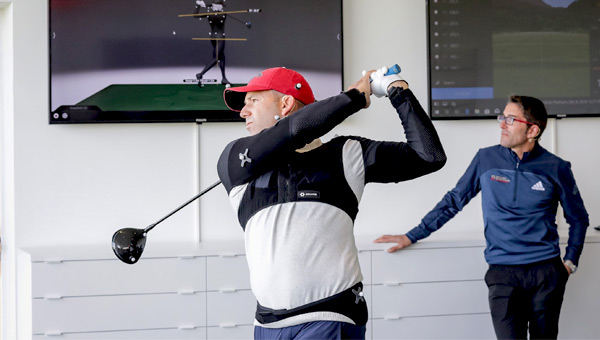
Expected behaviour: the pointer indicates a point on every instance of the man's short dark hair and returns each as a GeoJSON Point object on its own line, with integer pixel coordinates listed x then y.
{"type": "Point", "coordinates": [533, 110]}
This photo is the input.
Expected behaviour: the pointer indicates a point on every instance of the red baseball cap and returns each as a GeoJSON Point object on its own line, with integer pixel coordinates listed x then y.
{"type": "Point", "coordinates": [279, 79]}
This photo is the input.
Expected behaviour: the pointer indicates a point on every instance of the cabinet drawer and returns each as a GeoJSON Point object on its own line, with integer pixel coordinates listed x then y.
{"type": "Point", "coordinates": [364, 258]}
{"type": "Point", "coordinates": [227, 273]}
{"type": "Point", "coordinates": [124, 312]}
{"type": "Point", "coordinates": [230, 333]}
{"type": "Point", "coordinates": [429, 265]}
{"type": "Point", "coordinates": [107, 277]}
{"type": "Point", "coordinates": [475, 326]}
{"type": "Point", "coordinates": [436, 298]}
{"type": "Point", "coordinates": [228, 309]}
{"type": "Point", "coordinates": [166, 334]}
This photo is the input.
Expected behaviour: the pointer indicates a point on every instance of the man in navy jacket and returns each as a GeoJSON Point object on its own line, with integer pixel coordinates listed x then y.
{"type": "Point", "coordinates": [521, 185]}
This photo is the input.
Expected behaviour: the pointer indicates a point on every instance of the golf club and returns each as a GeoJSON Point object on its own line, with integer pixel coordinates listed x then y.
{"type": "Point", "coordinates": [128, 243]}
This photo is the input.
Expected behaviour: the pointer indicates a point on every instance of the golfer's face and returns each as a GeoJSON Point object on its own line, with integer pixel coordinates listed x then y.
{"type": "Point", "coordinates": [259, 111]}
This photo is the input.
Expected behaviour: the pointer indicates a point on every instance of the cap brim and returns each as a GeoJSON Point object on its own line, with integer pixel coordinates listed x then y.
{"type": "Point", "coordinates": [234, 97]}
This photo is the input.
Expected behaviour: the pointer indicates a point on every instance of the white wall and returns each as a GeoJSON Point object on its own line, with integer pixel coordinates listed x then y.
{"type": "Point", "coordinates": [79, 184]}
{"type": "Point", "coordinates": [8, 282]}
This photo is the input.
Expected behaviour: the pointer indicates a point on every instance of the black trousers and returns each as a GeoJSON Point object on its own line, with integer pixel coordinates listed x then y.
{"type": "Point", "coordinates": [526, 297]}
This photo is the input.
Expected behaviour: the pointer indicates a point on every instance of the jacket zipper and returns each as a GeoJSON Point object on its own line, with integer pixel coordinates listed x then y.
{"type": "Point", "coordinates": [516, 182]}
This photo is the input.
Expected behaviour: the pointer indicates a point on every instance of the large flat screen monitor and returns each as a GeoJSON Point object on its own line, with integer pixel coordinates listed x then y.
{"type": "Point", "coordinates": [135, 61]}
{"type": "Point", "coordinates": [482, 51]}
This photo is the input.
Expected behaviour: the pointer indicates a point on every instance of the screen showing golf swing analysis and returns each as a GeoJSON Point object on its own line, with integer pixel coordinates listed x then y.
{"type": "Point", "coordinates": [114, 61]}
{"type": "Point", "coordinates": [482, 51]}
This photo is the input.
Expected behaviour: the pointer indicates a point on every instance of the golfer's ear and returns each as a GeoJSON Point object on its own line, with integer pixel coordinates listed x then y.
{"type": "Point", "coordinates": [287, 105]}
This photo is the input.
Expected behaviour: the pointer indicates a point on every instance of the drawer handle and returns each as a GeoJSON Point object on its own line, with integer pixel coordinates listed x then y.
{"type": "Point", "coordinates": [394, 317]}
{"type": "Point", "coordinates": [53, 333]}
{"type": "Point", "coordinates": [53, 261]}
{"type": "Point", "coordinates": [390, 284]}
{"type": "Point", "coordinates": [186, 257]}
{"type": "Point", "coordinates": [228, 290]}
{"type": "Point", "coordinates": [56, 297]}
{"type": "Point", "coordinates": [228, 325]}
{"type": "Point", "coordinates": [186, 328]}
{"type": "Point", "coordinates": [186, 292]}
{"type": "Point", "coordinates": [227, 255]}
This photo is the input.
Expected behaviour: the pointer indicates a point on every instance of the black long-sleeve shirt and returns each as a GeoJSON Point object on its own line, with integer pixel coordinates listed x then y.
{"type": "Point", "coordinates": [298, 209]}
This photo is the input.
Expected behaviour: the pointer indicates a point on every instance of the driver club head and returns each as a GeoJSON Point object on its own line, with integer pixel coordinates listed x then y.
{"type": "Point", "coordinates": [128, 244]}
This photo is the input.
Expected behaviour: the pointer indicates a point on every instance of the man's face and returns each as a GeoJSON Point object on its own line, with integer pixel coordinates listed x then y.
{"type": "Point", "coordinates": [513, 136]}
{"type": "Point", "coordinates": [259, 111]}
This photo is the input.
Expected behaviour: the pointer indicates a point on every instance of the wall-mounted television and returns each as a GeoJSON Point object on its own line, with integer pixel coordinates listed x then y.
{"type": "Point", "coordinates": [136, 61]}
{"type": "Point", "coordinates": [482, 51]}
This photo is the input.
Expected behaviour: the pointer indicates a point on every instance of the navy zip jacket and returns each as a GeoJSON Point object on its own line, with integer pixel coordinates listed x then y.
{"type": "Point", "coordinates": [519, 201]}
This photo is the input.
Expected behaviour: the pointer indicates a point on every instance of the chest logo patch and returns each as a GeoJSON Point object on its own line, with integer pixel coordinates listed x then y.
{"type": "Point", "coordinates": [500, 179]}
{"type": "Point", "coordinates": [309, 194]}
{"type": "Point", "coordinates": [538, 186]}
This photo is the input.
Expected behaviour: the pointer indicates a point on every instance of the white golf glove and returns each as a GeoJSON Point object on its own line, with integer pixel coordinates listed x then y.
{"type": "Point", "coordinates": [380, 81]}
{"type": "Point", "coordinates": [200, 3]}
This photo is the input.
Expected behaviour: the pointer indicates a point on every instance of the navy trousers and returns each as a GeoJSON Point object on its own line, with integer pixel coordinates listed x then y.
{"type": "Point", "coordinates": [526, 297]}
{"type": "Point", "coordinates": [318, 330]}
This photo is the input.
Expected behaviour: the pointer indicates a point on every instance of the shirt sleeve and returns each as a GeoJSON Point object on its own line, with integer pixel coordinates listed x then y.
{"type": "Point", "coordinates": [574, 213]}
{"type": "Point", "coordinates": [454, 201]}
{"type": "Point", "coordinates": [421, 154]}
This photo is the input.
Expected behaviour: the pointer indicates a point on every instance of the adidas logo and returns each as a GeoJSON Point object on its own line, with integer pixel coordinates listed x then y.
{"type": "Point", "coordinates": [538, 186]}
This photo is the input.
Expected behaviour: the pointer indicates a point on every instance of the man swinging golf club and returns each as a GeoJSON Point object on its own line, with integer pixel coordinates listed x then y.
{"type": "Point", "coordinates": [296, 198]}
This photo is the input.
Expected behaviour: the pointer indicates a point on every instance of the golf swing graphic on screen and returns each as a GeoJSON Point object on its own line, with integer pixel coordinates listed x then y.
{"type": "Point", "coordinates": [217, 16]}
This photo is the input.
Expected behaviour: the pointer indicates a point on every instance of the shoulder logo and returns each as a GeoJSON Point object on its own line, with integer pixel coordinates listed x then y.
{"type": "Point", "coordinates": [244, 158]}
{"type": "Point", "coordinates": [500, 179]}
{"type": "Point", "coordinates": [538, 186]}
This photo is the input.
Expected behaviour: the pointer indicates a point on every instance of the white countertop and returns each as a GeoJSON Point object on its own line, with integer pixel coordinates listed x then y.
{"type": "Point", "coordinates": [225, 248]}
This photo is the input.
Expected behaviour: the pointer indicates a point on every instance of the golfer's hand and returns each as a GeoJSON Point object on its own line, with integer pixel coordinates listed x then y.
{"type": "Point", "coordinates": [402, 241]}
{"type": "Point", "coordinates": [364, 85]}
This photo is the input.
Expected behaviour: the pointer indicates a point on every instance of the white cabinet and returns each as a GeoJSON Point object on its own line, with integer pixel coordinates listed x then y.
{"type": "Point", "coordinates": [118, 312]}
{"type": "Point", "coordinates": [171, 293]}
{"type": "Point", "coordinates": [429, 264]}
{"type": "Point", "coordinates": [430, 293]}
{"type": "Point", "coordinates": [432, 290]}
{"type": "Point", "coordinates": [478, 326]}
{"type": "Point", "coordinates": [580, 313]}
{"type": "Point", "coordinates": [146, 334]}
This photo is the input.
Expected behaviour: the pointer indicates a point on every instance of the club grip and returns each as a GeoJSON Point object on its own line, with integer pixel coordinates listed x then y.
{"type": "Point", "coordinates": [393, 70]}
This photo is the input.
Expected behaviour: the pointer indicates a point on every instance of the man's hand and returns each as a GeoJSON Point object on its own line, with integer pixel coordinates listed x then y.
{"type": "Point", "coordinates": [402, 240]}
{"type": "Point", "coordinates": [380, 82]}
{"type": "Point", "coordinates": [364, 85]}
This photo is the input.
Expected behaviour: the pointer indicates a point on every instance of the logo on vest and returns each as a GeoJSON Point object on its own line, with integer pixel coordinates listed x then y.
{"type": "Point", "coordinates": [538, 186]}
{"type": "Point", "coordinates": [308, 194]}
